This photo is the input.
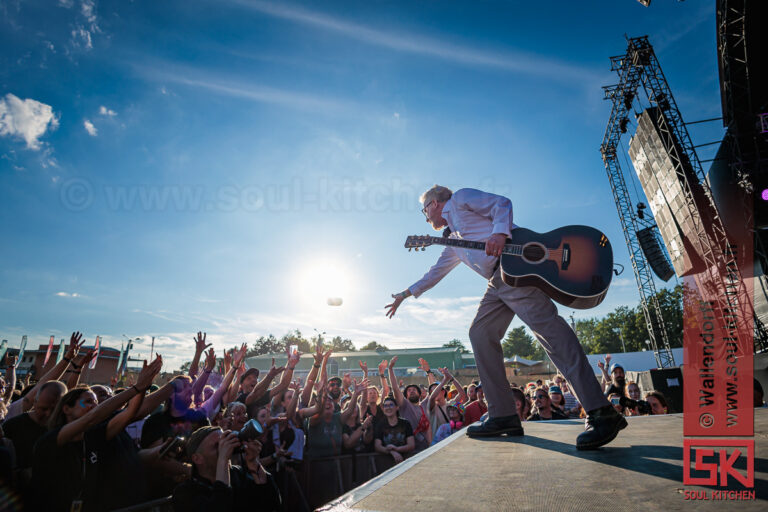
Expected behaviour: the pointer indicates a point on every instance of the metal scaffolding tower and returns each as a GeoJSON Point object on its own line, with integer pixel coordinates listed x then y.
{"type": "Point", "coordinates": [639, 67]}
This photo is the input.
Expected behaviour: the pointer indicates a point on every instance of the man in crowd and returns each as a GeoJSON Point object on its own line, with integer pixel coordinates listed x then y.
{"type": "Point", "coordinates": [216, 485]}
{"type": "Point", "coordinates": [543, 408]}
{"type": "Point", "coordinates": [436, 402]}
{"type": "Point", "coordinates": [25, 429]}
{"type": "Point", "coordinates": [412, 410]}
{"type": "Point", "coordinates": [617, 380]}
{"type": "Point", "coordinates": [475, 215]}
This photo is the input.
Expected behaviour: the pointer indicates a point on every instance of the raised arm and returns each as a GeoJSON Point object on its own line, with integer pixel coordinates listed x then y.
{"type": "Point", "coordinates": [399, 398]}
{"type": "Point", "coordinates": [202, 380]}
{"type": "Point", "coordinates": [462, 394]}
{"type": "Point", "coordinates": [102, 411]}
{"type": "Point", "coordinates": [316, 410]}
{"type": "Point", "coordinates": [438, 389]}
{"type": "Point", "coordinates": [57, 371]}
{"type": "Point", "coordinates": [364, 367]}
{"type": "Point", "coordinates": [424, 366]}
{"type": "Point", "coordinates": [262, 387]}
{"type": "Point", "coordinates": [73, 375]}
{"type": "Point", "coordinates": [200, 347]}
{"type": "Point", "coordinates": [285, 380]}
{"type": "Point", "coordinates": [154, 400]}
{"type": "Point", "coordinates": [10, 373]}
{"type": "Point", "coordinates": [383, 377]}
{"type": "Point", "coordinates": [349, 411]}
{"type": "Point", "coordinates": [126, 416]}
{"type": "Point", "coordinates": [606, 379]}
{"type": "Point", "coordinates": [312, 377]}
{"type": "Point", "coordinates": [290, 411]}
{"type": "Point", "coordinates": [211, 404]}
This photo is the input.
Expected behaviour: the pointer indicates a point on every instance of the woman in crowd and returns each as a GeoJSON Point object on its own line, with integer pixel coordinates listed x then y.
{"type": "Point", "coordinates": [455, 423]}
{"type": "Point", "coordinates": [522, 403]}
{"type": "Point", "coordinates": [394, 436]}
{"type": "Point", "coordinates": [632, 391]}
{"type": "Point", "coordinates": [657, 401]}
{"type": "Point", "coordinates": [557, 398]}
{"type": "Point", "coordinates": [357, 434]}
{"type": "Point", "coordinates": [84, 461]}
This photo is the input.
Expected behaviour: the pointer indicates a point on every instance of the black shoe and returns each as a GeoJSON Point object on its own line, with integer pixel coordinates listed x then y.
{"type": "Point", "coordinates": [603, 426]}
{"type": "Point", "coordinates": [492, 427]}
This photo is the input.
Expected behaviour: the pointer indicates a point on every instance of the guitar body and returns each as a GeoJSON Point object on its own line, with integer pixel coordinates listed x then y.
{"type": "Point", "coordinates": [571, 264]}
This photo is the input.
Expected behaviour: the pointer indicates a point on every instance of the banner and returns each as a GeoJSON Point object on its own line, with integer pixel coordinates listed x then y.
{"type": "Point", "coordinates": [60, 355]}
{"type": "Point", "coordinates": [97, 348]}
{"type": "Point", "coordinates": [22, 347]}
{"type": "Point", "coordinates": [152, 349]}
{"type": "Point", "coordinates": [3, 349]}
{"type": "Point", "coordinates": [119, 369]}
{"type": "Point", "coordinates": [48, 353]}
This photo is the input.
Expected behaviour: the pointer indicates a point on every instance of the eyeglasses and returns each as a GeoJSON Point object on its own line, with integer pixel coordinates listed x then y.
{"type": "Point", "coordinates": [424, 210]}
{"type": "Point", "coordinates": [387, 404]}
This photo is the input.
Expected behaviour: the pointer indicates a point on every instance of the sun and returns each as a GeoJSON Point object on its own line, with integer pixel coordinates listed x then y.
{"type": "Point", "coordinates": [325, 282]}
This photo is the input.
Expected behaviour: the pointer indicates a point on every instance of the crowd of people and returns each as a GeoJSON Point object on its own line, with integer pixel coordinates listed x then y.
{"type": "Point", "coordinates": [104, 447]}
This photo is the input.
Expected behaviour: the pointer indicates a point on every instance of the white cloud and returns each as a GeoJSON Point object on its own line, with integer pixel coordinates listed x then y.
{"type": "Point", "coordinates": [28, 119]}
{"type": "Point", "coordinates": [81, 36]}
{"type": "Point", "coordinates": [92, 131]}
{"type": "Point", "coordinates": [104, 111]}
{"type": "Point", "coordinates": [68, 295]}
{"type": "Point", "coordinates": [396, 115]}
{"type": "Point", "coordinates": [88, 24]}
{"type": "Point", "coordinates": [66, 3]}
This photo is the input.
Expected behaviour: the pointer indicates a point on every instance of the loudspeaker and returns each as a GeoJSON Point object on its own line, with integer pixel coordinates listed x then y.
{"type": "Point", "coordinates": [669, 381]}
{"type": "Point", "coordinates": [649, 243]}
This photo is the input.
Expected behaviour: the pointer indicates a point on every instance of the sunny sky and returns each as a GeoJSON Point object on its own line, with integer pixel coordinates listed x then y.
{"type": "Point", "coordinates": [225, 166]}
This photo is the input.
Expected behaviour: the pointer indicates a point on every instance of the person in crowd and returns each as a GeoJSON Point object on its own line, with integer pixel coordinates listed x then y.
{"type": "Point", "coordinates": [102, 392]}
{"type": "Point", "coordinates": [373, 407]}
{"type": "Point", "coordinates": [411, 409]}
{"type": "Point", "coordinates": [237, 415]}
{"type": "Point", "coordinates": [255, 394]}
{"type": "Point", "coordinates": [455, 423]}
{"type": "Point", "coordinates": [27, 428]}
{"type": "Point", "coordinates": [84, 462]}
{"type": "Point", "coordinates": [216, 485]}
{"type": "Point", "coordinates": [334, 392]}
{"type": "Point", "coordinates": [757, 394]}
{"type": "Point", "coordinates": [325, 429]}
{"type": "Point", "coordinates": [475, 409]}
{"type": "Point", "coordinates": [632, 391]}
{"type": "Point", "coordinates": [394, 436]}
{"type": "Point", "coordinates": [471, 392]}
{"type": "Point", "coordinates": [543, 408]}
{"type": "Point", "coordinates": [522, 403]}
{"type": "Point", "coordinates": [618, 381]}
{"type": "Point", "coordinates": [557, 399]}
{"type": "Point", "coordinates": [177, 418]}
{"type": "Point", "coordinates": [437, 400]}
{"type": "Point", "coordinates": [657, 401]}
{"type": "Point", "coordinates": [615, 400]}
{"type": "Point", "coordinates": [357, 434]}
{"type": "Point", "coordinates": [571, 407]}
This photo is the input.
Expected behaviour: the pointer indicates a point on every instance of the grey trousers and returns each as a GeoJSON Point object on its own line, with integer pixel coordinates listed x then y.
{"type": "Point", "coordinates": [494, 314]}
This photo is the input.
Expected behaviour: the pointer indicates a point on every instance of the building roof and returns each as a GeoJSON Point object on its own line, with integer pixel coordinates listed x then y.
{"type": "Point", "coordinates": [520, 360]}
{"type": "Point", "coordinates": [634, 361]}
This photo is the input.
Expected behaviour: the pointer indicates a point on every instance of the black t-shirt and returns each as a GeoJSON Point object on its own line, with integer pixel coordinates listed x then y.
{"type": "Point", "coordinates": [613, 388]}
{"type": "Point", "coordinates": [556, 415]}
{"type": "Point", "coordinates": [63, 471]}
{"type": "Point", "coordinates": [396, 435]}
{"type": "Point", "coordinates": [162, 425]}
{"type": "Point", "coordinates": [254, 407]}
{"type": "Point", "coordinates": [360, 447]}
{"type": "Point", "coordinates": [24, 432]}
{"type": "Point", "coordinates": [199, 494]}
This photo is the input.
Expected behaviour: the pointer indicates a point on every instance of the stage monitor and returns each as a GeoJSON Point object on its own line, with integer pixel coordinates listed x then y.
{"type": "Point", "coordinates": [663, 168]}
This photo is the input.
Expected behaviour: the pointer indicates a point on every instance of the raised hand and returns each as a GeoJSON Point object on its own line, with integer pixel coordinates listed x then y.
{"type": "Point", "coordinates": [447, 377]}
{"type": "Point", "coordinates": [363, 366]}
{"type": "Point", "coordinates": [10, 360]}
{"type": "Point", "coordinates": [200, 345]}
{"type": "Point", "coordinates": [88, 357]}
{"type": "Point", "coordinates": [362, 385]}
{"type": "Point", "coordinates": [240, 355]}
{"type": "Point", "coordinates": [424, 365]}
{"type": "Point", "coordinates": [392, 307]}
{"type": "Point", "coordinates": [228, 359]}
{"type": "Point", "coordinates": [210, 360]}
{"type": "Point", "coordinates": [392, 362]}
{"type": "Point", "coordinates": [275, 370]}
{"type": "Point", "coordinates": [367, 422]}
{"type": "Point", "coordinates": [149, 372]}
{"type": "Point", "coordinates": [382, 366]}
{"type": "Point", "coordinates": [600, 364]}
{"type": "Point", "coordinates": [318, 355]}
{"type": "Point", "coordinates": [607, 359]}
{"type": "Point", "coordinates": [293, 359]}
{"type": "Point", "coordinates": [74, 345]}
{"type": "Point", "coordinates": [346, 381]}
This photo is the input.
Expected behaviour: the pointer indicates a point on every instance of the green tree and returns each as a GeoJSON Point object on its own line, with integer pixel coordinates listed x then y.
{"type": "Point", "coordinates": [374, 346]}
{"type": "Point", "coordinates": [519, 343]}
{"type": "Point", "coordinates": [265, 345]}
{"type": "Point", "coordinates": [295, 338]}
{"type": "Point", "coordinates": [341, 345]}
{"type": "Point", "coordinates": [456, 343]}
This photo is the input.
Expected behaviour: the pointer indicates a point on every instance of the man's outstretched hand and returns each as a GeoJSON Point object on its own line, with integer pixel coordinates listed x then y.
{"type": "Point", "coordinates": [391, 308]}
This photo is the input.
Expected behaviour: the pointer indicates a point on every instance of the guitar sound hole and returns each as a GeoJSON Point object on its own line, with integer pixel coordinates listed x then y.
{"type": "Point", "coordinates": [533, 253]}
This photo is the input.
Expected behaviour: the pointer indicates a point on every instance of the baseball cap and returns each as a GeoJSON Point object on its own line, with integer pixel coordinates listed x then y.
{"type": "Point", "coordinates": [249, 372]}
{"type": "Point", "coordinates": [616, 365]}
{"type": "Point", "coordinates": [555, 389]}
{"type": "Point", "coordinates": [197, 437]}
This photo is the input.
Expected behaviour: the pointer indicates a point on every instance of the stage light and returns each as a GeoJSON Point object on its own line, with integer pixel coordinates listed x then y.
{"type": "Point", "coordinates": [764, 194]}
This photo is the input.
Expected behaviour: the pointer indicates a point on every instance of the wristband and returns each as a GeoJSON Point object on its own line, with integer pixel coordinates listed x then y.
{"type": "Point", "coordinates": [315, 366]}
{"type": "Point", "coordinates": [138, 391]}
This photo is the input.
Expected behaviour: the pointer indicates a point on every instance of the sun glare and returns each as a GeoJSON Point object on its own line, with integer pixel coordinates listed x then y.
{"type": "Point", "coordinates": [325, 283]}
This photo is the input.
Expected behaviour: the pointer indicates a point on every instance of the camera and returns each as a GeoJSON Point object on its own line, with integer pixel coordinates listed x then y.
{"type": "Point", "coordinates": [175, 448]}
{"type": "Point", "coordinates": [643, 407]}
{"type": "Point", "coordinates": [250, 431]}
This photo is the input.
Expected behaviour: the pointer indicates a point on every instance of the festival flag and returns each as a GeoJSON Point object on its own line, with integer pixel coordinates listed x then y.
{"type": "Point", "coordinates": [120, 359]}
{"type": "Point", "coordinates": [3, 349]}
{"type": "Point", "coordinates": [60, 355]}
{"type": "Point", "coordinates": [22, 347]}
{"type": "Point", "coordinates": [97, 348]}
{"type": "Point", "coordinates": [48, 354]}
{"type": "Point", "coordinates": [152, 349]}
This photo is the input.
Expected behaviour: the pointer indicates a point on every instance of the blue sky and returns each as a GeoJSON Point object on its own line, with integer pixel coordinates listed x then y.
{"type": "Point", "coordinates": [169, 167]}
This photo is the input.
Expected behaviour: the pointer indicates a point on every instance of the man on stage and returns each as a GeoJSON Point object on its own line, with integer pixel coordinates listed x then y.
{"type": "Point", "coordinates": [480, 216]}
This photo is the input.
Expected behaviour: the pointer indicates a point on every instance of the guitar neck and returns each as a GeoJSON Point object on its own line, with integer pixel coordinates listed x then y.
{"type": "Point", "coordinates": [513, 249]}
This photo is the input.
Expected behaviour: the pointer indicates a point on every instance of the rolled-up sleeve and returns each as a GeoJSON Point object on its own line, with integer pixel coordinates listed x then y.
{"type": "Point", "coordinates": [445, 263]}
{"type": "Point", "coordinates": [494, 207]}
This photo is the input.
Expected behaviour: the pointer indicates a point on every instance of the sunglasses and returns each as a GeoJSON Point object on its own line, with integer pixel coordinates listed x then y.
{"type": "Point", "coordinates": [541, 397]}
{"type": "Point", "coordinates": [387, 404]}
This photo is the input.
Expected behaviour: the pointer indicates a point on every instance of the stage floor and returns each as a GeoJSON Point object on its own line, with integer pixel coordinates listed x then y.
{"type": "Point", "coordinates": [642, 469]}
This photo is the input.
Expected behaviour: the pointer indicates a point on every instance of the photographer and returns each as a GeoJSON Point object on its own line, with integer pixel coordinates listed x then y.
{"type": "Point", "coordinates": [216, 484]}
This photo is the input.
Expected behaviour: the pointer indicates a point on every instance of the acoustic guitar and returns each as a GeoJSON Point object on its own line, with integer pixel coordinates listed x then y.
{"type": "Point", "coordinates": [571, 264]}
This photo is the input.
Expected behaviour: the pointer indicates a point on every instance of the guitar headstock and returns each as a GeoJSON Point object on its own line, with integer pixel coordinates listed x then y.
{"type": "Point", "coordinates": [418, 242]}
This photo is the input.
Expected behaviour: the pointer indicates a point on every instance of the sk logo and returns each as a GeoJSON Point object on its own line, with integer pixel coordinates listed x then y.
{"type": "Point", "coordinates": [725, 453]}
